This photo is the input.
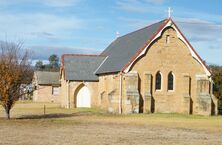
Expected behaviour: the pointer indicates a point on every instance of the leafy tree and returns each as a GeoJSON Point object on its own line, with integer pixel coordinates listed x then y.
{"type": "Point", "coordinates": [52, 66]}
{"type": "Point", "coordinates": [53, 61]}
{"type": "Point", "coordinates": [15, 74]}
{"type": "Point", "coordinates": [217, 78]}
{"type": "Point", "coordinates": [39, 65]}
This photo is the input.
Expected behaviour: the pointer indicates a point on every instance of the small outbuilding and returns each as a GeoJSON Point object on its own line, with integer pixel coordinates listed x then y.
{"type": "Point", "coordinates": [46, 87]}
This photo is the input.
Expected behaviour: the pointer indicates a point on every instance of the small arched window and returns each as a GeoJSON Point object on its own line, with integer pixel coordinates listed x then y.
{"type": "Point", "coordinates": [167, 39]}
{"type": "Point", "coordinates": [170, 81]}
{"type": "Point", "coordinates": [158, 80]}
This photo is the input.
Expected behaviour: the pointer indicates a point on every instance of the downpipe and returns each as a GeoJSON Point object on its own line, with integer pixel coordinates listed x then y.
{"type": "Point", "coordinates": [120, 96]}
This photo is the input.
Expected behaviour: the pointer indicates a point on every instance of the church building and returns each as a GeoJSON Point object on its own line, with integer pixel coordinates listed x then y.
{"type": "Point", "coordinates": [153, 69]}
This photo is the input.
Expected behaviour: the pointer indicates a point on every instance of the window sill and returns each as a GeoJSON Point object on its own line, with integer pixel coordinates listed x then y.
{"type": "Point", "coordinates": [170, 91]}
{"type": "Point", "coordinates": [158, 90]}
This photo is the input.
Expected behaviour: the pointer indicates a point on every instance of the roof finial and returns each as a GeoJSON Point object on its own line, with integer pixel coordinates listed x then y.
{"type": "Point", "coordinates": [117, 34]}
{"type": "Point", "coordinates": [169, 12]}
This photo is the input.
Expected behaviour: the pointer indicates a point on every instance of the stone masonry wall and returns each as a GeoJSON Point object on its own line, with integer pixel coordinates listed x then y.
{"type": "Point", "coordinates": [166, 57]}
{"type": "Point", "coordinates": [44, 94]}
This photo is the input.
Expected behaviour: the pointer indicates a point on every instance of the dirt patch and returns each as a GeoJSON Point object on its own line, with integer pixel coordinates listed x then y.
{"type": "Point", "coordinates": [62, 132]}
{"type": "Point", "coordinates": [91, 127]}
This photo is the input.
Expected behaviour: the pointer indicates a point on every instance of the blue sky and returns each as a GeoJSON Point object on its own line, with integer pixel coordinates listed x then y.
{"type": "Point", "coordinates": [89, 26]}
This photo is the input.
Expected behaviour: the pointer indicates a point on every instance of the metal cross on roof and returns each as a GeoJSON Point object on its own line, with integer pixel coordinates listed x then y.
{"type": "Point", "coordinates": [169, 12]}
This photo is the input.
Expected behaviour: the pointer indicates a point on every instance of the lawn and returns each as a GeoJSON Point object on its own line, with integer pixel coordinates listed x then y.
{"type": "Point", "coordinates": [30, 126]}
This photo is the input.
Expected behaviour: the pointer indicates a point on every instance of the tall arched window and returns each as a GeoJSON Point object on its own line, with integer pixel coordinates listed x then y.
{"type": "Point", "coordinates": [158, 80]}
{"type": "Point", "coordinates": [170, 81]}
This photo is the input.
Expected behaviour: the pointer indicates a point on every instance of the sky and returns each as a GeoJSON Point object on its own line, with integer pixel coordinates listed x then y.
{"type": "Point", "coordinates": [48, 27]}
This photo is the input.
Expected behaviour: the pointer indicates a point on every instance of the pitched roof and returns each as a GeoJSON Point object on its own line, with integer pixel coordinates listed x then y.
{"type": "Point", "coordinates": [47, 78]}
{"type": "Point", "coordinates": [81, 67]}
{"type": "Point", "coordinates": [120, 54]}
{"type": "Point", "coordinates": [122, 50]}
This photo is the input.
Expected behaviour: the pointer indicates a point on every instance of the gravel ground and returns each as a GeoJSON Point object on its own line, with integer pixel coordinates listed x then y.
{"type": "Point", "coordinates": [90, 127]}
{"type": "Point", "coordinates": [51, 132]}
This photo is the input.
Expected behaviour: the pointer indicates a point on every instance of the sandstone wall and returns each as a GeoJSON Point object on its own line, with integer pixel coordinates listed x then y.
{"type": "Point", "coordinates": [43, 93]}
{"type": "Point", "coordinates": [169, 57]}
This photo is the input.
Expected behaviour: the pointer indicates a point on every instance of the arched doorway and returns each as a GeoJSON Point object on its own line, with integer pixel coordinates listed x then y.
{"type": "Point", "coordinates": [83, 98]}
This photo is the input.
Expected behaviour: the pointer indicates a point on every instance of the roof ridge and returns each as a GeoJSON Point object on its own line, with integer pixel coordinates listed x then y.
{"type": "Point", "coordinates": [76, 54]}
{"type": "Point", "coordinates": [131, 33]}
{"type": "Point", "coordinates": [100, 65]}
{"type": "Point", "coordinates": [142, 28]}
{"type": "Point", "coordinates": [90, 55]}
{"type": "Point", "coordinates": [147, 42]}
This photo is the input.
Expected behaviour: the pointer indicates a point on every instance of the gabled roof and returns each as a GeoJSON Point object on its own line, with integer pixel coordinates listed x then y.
{"type": "Point", "coordinates": [121, 54]}
{"type": "Point", "coordinates": [81, 67]}
{"type": "Point", "coordinates": [47, 78]}
{"type": "Point", "coordinates": [125, 50]}
{"type": "Point", "coordinates": [122, 50]}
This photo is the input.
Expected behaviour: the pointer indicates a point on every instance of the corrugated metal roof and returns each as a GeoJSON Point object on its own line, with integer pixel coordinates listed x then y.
{"type": "Point", "coordinates": [47, 78]}
{"type": "Point", "coordinates": [82, 68]}
{"type": "Point", "coordinates": [121, 51]}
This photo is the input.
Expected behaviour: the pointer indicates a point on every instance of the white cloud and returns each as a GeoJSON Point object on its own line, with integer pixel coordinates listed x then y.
{"type": "Point", "coordinates": [204, 36]}
{"type": "Point", "coordinates": [43, 52]}
{"type": "Point", "coordinates": [200, 15]}
{"type": "Point", "coordinates": [130, 6]}
{"type": "Point", "coordinates": [137, 23]}
{"type": "Point", "coordinates": [200, 30]}
{"type": "Point", "coordinates": [51, 3]}
{"type": "Point", "coordinates": [141, 6]}
{"type": "Point", "coordinates": [37, 25]}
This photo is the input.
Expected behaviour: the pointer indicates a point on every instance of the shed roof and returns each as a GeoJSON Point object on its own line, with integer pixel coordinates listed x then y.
{"type": "Point", "coordinates": [81, 67]}
{"type": "Point", "coordinates": [47, 78]}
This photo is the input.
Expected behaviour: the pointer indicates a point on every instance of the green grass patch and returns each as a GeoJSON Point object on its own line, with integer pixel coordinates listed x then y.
{"type": "Point", "coordinates": [34, 112]}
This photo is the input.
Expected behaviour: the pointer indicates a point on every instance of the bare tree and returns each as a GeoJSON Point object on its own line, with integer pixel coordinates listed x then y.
{"type": "Point", "coordinates": [15, 73]}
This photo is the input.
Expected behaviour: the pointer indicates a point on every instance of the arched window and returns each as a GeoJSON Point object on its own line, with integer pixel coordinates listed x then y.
{"type": "Point", "coordinates": [170, 81]}
{"type": "Point", "coordinates": [167, 39]}
{"type": "Point", "coordinates": [158, 81]}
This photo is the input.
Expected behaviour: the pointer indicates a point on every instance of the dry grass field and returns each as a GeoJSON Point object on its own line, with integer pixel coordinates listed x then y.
{"type": "Point", "coordinates": [29, 126]}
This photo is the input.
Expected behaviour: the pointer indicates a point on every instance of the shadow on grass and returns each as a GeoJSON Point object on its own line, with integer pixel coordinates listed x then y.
{"type": "Point", "coordinates": [54, 115]}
